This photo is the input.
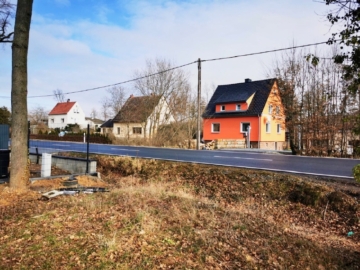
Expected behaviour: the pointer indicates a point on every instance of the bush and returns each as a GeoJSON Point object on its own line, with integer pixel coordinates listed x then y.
{"type": "Point", "coordinates": [356, 173]}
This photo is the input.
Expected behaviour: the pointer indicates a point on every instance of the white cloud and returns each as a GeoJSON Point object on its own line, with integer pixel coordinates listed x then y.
{"type": "Point", "coordinates": [84, 54]}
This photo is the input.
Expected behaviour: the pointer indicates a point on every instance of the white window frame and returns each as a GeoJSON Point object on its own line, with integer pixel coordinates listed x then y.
{"type": "Point", "coordinates": [137, 128]}
{"type": "Point", "coordinates": [278, 128]}
{"type": "Point", "coordinates": [52, 120]}
{"type": "Point", "coordinates": [270, 108]}
{"type": "Point", "coordinates": [212, 128]}
{"type": "Point", "coordinates": [238, 107]}
{"type": "Point", "coordinates": [62, 120]}
{"type": "Point", "coordinates": [222, 108]}
{"type": "Point", "coordinates": [268, 127]}
{"type": "Point", "coordinates": [241, 126]}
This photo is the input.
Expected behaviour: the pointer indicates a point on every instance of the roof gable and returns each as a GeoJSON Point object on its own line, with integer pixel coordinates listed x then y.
{"type": "Point", "coordinates": [94, 120]}
{"type": "Point", "coordinates": [108, 124]}
{"type": "Point", "coordinates": [62, 108]}
{"type": "Point", "coordinates": [240, 92]}
{"type": "Point", "coordinates": [137, 109]}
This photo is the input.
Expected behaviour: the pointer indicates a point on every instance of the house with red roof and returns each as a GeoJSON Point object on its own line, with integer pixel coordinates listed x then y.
{"type": "Point", "coordinates": [65, 113]}
{"type": "Point", "coordinates": [246, 115]}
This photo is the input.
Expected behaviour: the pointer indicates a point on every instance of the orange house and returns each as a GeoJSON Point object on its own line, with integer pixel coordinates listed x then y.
{"type": "Point", "coordinates": [249, 112]}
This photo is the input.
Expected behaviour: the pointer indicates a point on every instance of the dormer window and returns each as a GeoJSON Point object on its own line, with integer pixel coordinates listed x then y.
{"type": "Point", "coordinates": [222, 108]}
{"type": "Point", "coordinates": [238, 107]}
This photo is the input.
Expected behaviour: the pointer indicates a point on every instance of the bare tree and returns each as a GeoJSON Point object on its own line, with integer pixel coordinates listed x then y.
{"type": "Point", "coordinates": [59, 95]}
{"type": "Point", "coordinates": [115, 101]}
{"type": "Point", "coordinates": [105, 109]}
{"type": "Point", "coordinates": [6, 12]}
{"type": "Point", "coordinates": [19, 170]}
{"type": "Point", "coordinates": [170, 84]}
{"type": "Point", "coordinates": [317, 107]}
{"type": "Point", "coordinates": [93, 113]}
{"type": "Point", "coordinates": [38, 115]}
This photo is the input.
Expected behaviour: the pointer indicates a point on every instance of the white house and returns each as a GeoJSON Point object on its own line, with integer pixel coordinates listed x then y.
{"type": "Point", "coordinates": [94, 123]}
{"type": "Point", "coordinates": [65, 113]}
{"type": "Point", "coordinates": [141, 116]}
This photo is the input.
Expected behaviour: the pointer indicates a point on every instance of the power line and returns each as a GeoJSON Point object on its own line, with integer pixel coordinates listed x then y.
{"type": "Point", "coordinates": [123, 82]}
{"type": "Point", "coordinates": [263, 52]}
{"type": "Point", "coordinates": [167, 70]}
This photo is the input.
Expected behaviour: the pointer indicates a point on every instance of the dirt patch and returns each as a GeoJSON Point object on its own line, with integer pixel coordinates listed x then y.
{"type": "Point", "coordinates": [11, 197]}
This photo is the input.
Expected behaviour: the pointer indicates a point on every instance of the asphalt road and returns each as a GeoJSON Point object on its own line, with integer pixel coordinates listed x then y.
{"type": "Point", "coordinates": [329, 167]}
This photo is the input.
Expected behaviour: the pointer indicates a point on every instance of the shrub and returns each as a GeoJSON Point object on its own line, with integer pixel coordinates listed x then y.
{"type": "Point", "coordinates": [356, 173]}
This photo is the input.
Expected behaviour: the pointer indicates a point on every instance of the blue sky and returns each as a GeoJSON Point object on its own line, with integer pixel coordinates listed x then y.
{"type": "Point", "coordinates": [80, 44]}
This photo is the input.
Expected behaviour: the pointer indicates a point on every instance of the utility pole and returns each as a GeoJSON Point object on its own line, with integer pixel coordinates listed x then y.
{"type": "Point", "coordinates": [198, 106]}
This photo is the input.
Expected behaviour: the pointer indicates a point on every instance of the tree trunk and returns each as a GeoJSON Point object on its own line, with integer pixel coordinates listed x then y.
{"type": "Point", "coordinates": [19, 171]}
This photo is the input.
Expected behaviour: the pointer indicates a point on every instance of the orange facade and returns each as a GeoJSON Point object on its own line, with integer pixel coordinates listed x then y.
{"type": "Point", "coordinates": [230, 128]}
{"type": "Point", "coordinates": [239, 106]}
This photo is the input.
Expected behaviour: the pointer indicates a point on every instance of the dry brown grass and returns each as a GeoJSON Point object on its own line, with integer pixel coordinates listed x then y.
{"type": "Point", "coordinates": [163, 215]}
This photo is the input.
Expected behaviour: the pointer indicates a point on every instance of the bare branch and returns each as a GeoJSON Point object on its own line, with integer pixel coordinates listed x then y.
{"type": "Point", "coordinates": [6, 13]}
{"type": "Point", "coordinates": [59, 95]}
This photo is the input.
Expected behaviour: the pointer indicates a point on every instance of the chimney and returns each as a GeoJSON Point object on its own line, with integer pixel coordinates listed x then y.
{"type": "Point", "coordinates": [247, 80]}
{"type": "Point", "coordinates": [131, 96]}
{"type": "Point", "coordinates": [68, 100]}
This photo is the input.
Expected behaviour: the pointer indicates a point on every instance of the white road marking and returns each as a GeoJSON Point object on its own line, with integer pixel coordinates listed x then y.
{"type": "Point", "coordinates": [266, 159]}
{"type": "Point", "coordinates": [124, 149]}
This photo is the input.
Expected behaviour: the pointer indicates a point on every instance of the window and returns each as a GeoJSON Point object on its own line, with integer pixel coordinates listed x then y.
{"type": "Point", "coordinates": [244, 127]}
{"type": "Point", "coordinates": [215, 127]}
{"type": "Point", "coordinates": [136, 130]}
{"type": "Point", "coordinates": [222, 108]}
{"type": "Point", "coordinates": [62, 120]}
{"type": "Point", "coordinates": [52, 120]}
{"type": "Point", "coordinates": [268, 127]}
{"type": "Point", "coordinates": [238, 107]}
{"type": "Point", "coordinates": [278, 128]}
{"type": "Point", "coordinates": [118, 130]}
{"type": "Point", "coordinates": [277, 110]}
{"type": "Point", "coordinates": [270, 109]}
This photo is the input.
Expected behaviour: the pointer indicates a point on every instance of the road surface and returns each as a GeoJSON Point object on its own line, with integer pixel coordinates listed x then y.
{"type": "Point", "coordinates": [329, 167]}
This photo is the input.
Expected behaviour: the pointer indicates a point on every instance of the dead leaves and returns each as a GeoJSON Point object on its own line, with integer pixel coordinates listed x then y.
{"type": "Point", "coordinates": [195, 217]}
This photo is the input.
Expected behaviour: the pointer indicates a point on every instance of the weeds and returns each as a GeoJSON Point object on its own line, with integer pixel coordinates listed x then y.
{"type": "Point", "coordinates": [183, 216]}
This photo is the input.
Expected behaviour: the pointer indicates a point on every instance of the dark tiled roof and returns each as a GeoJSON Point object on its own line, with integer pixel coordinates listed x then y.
{"type": "Point", "coordinates": [137, 109]}
{"type": "Point", "coordinates": [62, 108]}
{"type": "Point", "coordinates": [108, 124]}
{"type": "Point", "coordinates": [240, 92]}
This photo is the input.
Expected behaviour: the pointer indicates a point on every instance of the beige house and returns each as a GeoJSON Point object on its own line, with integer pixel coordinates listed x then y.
{"type": "Point", "coordinates": [94, 123]}
{"type": "Point", "coordinates": [107, 127]}
{"type": "Point", "coordinates": [141, 116]}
